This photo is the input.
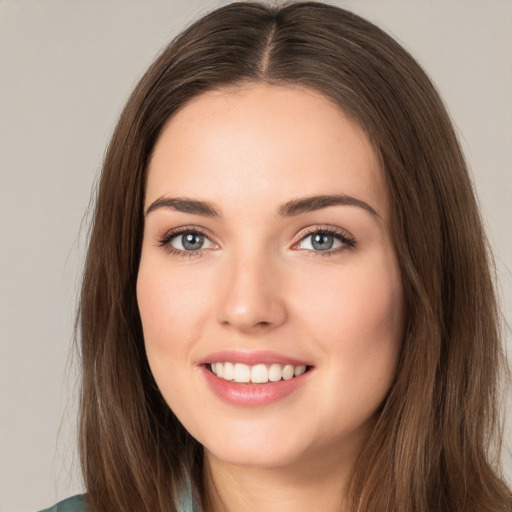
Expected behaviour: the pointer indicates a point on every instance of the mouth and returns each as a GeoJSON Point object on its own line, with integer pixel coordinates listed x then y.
{"type": "Point", "coordinates": [254, 379]}
{"type": "Point", "coordinates": [259, 373]}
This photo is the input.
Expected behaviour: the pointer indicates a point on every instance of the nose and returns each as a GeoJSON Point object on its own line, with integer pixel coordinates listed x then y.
{"type": "Point", "coordinates": [251, 298]}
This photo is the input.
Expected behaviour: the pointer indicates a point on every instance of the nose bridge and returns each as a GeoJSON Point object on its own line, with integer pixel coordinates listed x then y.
{"type": "Point", "coordinates": [250, 297]}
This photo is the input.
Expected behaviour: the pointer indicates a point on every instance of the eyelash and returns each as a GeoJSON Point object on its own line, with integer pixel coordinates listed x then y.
{"type": "Point", "coordinates": [347, 241]}
{"type": "Point", "coordinates": [165, 241]}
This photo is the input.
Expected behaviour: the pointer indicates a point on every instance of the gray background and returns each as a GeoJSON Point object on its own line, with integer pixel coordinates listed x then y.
{"type": "Point", "coordinates": [66, 69]}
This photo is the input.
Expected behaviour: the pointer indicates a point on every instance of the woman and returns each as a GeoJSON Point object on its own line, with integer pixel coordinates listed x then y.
{"type": "Point", "coordinates": [287, 302]}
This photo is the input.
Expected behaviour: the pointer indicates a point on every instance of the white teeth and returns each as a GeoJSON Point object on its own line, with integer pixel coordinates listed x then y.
{"type": "Point", "coordinates": [275, 373]}
{"type": "Point", "coordinates": [242, 372]}
{"type": "Point", "coordinates": [288, 372]}
{"type": "Point", "coordinates": [257, 374]}
{"type": "Point", "coordinates": [299, 370]}
{"type": "Point", "coordinates": [229, 371]}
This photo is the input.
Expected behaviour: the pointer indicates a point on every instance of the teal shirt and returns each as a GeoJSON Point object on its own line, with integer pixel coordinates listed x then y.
{"type": "Point", "coordinates": [77, 504]}
{"type": "Point", "coordinates": [74, 504]}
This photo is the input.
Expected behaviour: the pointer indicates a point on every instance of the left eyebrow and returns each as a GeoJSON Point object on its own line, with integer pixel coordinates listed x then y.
{"type": "Point", "coordinates": [310, 204]}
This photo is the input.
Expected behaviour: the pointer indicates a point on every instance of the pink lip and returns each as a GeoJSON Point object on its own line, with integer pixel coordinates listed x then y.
{"type": "Point", "coordinates": [251, 395]}
{"type": "Point", "coordinates": [250, 358]}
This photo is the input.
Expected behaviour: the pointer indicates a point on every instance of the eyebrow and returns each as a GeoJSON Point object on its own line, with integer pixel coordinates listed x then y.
{"type": "Point", "coordinates": [185, 205]}
{"type": "Point", "coordinates": [310, 204]}
{"type": "Point", "coordinates": [289, 209]}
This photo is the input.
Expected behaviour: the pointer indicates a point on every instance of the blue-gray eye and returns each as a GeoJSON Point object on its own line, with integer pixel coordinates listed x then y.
{"type": "Point", "coordinates": [320, 241]}
{"type": "Point", "coordinates": [192, 241]}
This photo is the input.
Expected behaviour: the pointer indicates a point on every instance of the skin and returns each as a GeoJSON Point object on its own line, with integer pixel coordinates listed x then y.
{"type": "Point", "coordinates": [258, 284]}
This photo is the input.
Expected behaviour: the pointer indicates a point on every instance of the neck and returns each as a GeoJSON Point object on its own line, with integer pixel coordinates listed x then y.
{"type": "Point", "coordinates": [310, 484]}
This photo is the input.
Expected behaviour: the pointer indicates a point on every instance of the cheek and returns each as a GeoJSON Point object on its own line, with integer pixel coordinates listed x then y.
{"type": "Point", "coordinates": [356, 317]}
{"type": "Point", "coordinates": [169, 311]}
{"type": "Point", "coordinates": [162, 322]}
{"type": "Point", "coordinates": [171, 306]}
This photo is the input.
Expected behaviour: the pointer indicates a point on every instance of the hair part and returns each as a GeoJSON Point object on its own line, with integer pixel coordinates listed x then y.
{"type": "Point", "coordinates": [429, 450]}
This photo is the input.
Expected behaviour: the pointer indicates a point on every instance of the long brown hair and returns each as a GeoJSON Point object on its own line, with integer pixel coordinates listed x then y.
{"type": "Point", "coordinates": [430, 448]}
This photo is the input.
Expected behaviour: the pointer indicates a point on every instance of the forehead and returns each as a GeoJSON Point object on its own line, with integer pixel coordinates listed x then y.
{"type": "Point", "coordinates": [272, 142]}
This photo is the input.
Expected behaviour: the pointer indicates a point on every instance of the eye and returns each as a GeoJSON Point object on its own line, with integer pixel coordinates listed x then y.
{"type": "Point", "coordinates": [323, 240]}
{"type": "Point", "coordinates": [190, 241]}
{"type": "Point", "coordinates": [186, 241]}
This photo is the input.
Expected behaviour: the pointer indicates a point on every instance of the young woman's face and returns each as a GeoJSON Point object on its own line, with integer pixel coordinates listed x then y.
{"type": "Point", "coordinates": [267, 254]}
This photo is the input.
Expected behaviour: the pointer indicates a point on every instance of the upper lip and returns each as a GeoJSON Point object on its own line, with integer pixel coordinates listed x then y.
{"type": "Point", "coordinates": [251, 358]}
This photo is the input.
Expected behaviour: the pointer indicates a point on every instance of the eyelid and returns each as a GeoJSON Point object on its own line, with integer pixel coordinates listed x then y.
{"type": "Point", "coordinates": [347, 239]}
{"type": "Point", "coordinates": [165, 239]}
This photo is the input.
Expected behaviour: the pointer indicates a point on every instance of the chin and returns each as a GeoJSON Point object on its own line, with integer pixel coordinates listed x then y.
{"type": "Point", "coordinates": [254, 456]}
{"type": "Point", "coordinates": [253, 446]}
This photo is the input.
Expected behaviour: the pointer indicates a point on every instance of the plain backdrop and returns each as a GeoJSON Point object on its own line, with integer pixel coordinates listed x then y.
{"type": "Point", "coordinates": [66, 69]}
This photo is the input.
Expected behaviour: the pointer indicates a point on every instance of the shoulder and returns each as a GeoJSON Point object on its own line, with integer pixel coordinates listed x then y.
{"type": "Point", "coordinates": [73, 504]}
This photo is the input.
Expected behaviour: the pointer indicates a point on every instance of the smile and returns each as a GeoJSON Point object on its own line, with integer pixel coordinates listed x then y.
{"type": "Point", "coordinates": [256, 374]}
{"type": "Point", "coordinates": [254, 379]}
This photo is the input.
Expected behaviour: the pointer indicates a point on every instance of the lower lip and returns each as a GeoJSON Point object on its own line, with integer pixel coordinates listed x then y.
{"type": "Point", "coordinates": [252, 395]}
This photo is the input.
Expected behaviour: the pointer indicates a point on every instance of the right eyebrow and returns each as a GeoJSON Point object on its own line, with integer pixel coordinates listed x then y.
{"type": "Point", "coordinates": [184, 204]}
